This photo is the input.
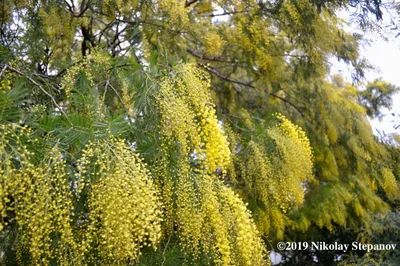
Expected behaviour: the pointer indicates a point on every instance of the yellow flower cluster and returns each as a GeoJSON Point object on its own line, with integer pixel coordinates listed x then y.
{"type": "Point", "coordinates": [56, 23]}
{"type": "Point", "coordinates": [188, 215]}
{"type": "Point", "coordinates": [215, 221]}
{"type": "Point", "coordinates": [296, 160]}
{"type": "Point", "coordinates": [389, 184]}
{"type": "Point", "coordinates": [296, 133]}
{"type": "Point", "coordinates": [177, 118]}
{"type": "Point", "coordinates": [90, 65]}
{"type": "Point", "coordinates": [37, 198]}
{"type": "Point", "coordinates": [216, 146]}
{"type": "Point", "coordinates": [252, 35]}
{"type": "Point", "coordinates": [277, 178]}
{"type": "Point", "coordinates": [175, 11]}
{"type": "Point", "coordinates": [70, 78]}
{"type": "Point", "coordinates": [211, 220]}
{"type": "Point", "coordinates": [124, 212]}
{"type": "Point", "coordinates": [5, 85]}
{"type": "Point", "coordinates": [249, 249]}
{"type": "Point", "coordinates": [119, 6]}
{"type": "Point", "coordinates": [124, 207]}
{"type": "Point", "coordinates": [291, 12]}
{"type": "Point", "coordinates": [213, 43]}
{"type": "Point", "coordinates": [232, 139]}
{"type": "Point", "coordinates": [262, 180]}
{"type": "Point", "coordinates": [188, 116]}
{"type": "Point", "coordinates": [257, 172]}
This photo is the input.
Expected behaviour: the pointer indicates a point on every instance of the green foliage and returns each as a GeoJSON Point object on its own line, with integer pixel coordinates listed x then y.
{"type": "Point", "coordinates": [387, 231]}
{"type": "Point", "coordinates": [377, 95]}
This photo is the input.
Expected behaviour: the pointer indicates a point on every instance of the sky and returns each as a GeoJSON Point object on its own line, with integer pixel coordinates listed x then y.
{"type": "Point", "coordinates": [385, 56]}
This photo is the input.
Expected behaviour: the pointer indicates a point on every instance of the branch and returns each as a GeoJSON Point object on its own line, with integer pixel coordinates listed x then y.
{"type": "Point", "coordinates": [71, 10]}
{"type": "Point", "coordinates": [165, 249]}
{"type": "Point", "coordinates": [4, 68]}
{"type": "Point", "coordinates": [101, 33]}
{"type": "Point", "coordinates": [84, 7]}
{"type": "Point", "coordinates": [215, 59]}
{"type": "Point", "coordinates": [141, 22]}
{"type": "Point", "coordinates": [40, 87]}
{"type": "Point", "coordinates": [248, 84]}
{"type": "Point", "coordinates": [116, 92]}
{"type": "Point", "coordinates": [189, 3]}
{"type": "Point", "coordinates": [218, 74]}
{"type": "Point", "coordinates": [288, 102]}
{"type": "Point", "coordinates": [226, 13]}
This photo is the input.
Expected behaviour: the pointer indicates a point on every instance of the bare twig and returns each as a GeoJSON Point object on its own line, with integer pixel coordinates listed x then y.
{"type": "Point", "coordinates": [227, 13]}
{"type": "Point", "coordinates": [165, 249]}
{"type": "Point", "coordinates": [189, 3]}
{"type": "Point", "coordinates": [106, 87]}
{"type": "Point", "coordinates": [218, 59]}
{"type": "Point", "coordinates": [286, 101]}
{"type": "Point", "coordinates": [84, 7]}
{"type": "Point", "coordinates": [1, 73]}
{"type": "Point", "coordinates": [140, 22]}
{"type": "Point", "coordinates": [203, 57]}
{"type": "Point", "coordinates": [218, 74]}
{"type": "Point", "coordinates": [116, 92]}
{"type": "Point", "coordinates": [41, 88]}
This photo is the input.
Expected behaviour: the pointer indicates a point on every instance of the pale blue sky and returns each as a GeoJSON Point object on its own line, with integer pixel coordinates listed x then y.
{"type": "Point", "coordinates": [385, 55]}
